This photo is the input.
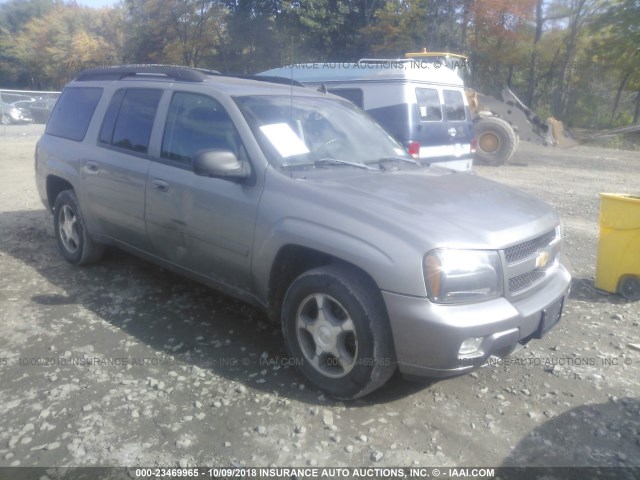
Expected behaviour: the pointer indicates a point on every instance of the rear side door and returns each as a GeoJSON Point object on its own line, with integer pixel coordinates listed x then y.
{"type": "Point", "coordinates": [199, 223]}
{"type": "Point", "coordinates": [116, 172]}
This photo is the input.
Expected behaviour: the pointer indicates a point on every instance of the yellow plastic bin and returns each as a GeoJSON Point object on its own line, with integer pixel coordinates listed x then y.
{"type": "Point", "coordinates": [618, 267]}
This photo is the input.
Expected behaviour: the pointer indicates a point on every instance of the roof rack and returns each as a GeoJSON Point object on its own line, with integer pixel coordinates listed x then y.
{"type": "Point", "coordinates": [173, 72]}
{"type": "Point", "coordinates": [270, 79]}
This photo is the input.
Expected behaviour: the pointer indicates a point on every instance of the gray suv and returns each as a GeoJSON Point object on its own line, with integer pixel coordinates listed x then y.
{"type": "Point", "coordinates": [295, 201]}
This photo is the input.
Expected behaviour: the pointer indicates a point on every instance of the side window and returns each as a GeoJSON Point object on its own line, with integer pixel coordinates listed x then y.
{"type": "Point", "coordinates": [429, 104]}
{"type": "Point", "coordinates": [129, 119]}
{"type": "Point", "coordinates": [454, 105]}
{"type": "Point", "coordinates": [354, 95]}
{"type": "Point", "coordinates": [109, 121]}
{"type": "Point", "coordinates": [197, 122]}
{"type": "Point", "coordinates": [73, 111]}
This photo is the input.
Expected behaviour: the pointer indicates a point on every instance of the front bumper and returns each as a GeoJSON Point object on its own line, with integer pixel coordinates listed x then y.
{"type": "Point", "coordinates": [427, 336]}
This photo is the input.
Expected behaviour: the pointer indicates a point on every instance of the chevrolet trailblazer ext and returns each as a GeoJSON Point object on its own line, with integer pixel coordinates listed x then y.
{"type": "Point", "coordinates": [296, 202]}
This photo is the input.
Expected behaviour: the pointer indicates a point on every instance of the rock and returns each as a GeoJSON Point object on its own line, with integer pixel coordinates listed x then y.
{"type": "Point", "coordinates": [261, 429]}
{"type": "Point", "coordinates": [617, 316]}
{"type": "Point", "coordinates": [300, 429]}
{"type": "Point", "coordinates": [327, 417]}
{"type": "Point", "coordinates": [183, 463]}
{"type": "Point", "coordinates": [52, 446]}
{"type": "Point", "coordinates": [376, 456]}
{"type": "Point", "coordinates": [634, 346]}
{"type": "Point", "coordinates": [87, 408]}
{"type": "Point", "coordinates": [363, 438]}
{"type": "Point", "coordinates": [348, 448]}
{"type": "Point", "coordinates": [198, 404]}
{"type": "Point", "coordinates": [227, 444]}
{"type": "Point", "coordinates": [183, 443]}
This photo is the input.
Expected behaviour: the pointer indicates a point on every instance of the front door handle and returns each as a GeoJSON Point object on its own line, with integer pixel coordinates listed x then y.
{"type": "Point", "coordinates": [92, 167]}
{"type": "Point", "coordinates": [160, 185]}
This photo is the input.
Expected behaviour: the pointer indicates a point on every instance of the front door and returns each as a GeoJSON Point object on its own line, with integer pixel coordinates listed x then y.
{"type": "Point", "coordinates": [200, 223]}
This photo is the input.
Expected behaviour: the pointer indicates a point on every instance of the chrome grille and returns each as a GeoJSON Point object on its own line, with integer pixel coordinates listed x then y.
{"type": "Point", "coordinates": [529, 249]}
{"type": "Point", "coordinates": [524, 281]}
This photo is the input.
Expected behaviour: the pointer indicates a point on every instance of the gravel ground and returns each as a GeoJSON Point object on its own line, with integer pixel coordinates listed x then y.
{"type": "Point", "coordinates": [138, 366]}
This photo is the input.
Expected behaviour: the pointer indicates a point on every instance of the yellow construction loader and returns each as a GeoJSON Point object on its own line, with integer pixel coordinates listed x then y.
{"type": "Point", "coordinates": [499, 123]}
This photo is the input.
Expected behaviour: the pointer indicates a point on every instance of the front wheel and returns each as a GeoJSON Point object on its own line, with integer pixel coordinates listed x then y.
{"type": "Point", "coordinates": [336, 328]}
{"type": "Point", "coordinates": [70, 230]}
{"type": "Point", "coordinates": [497, 141]}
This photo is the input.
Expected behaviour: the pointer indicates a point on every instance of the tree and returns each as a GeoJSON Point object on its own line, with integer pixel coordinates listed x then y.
{"type": "Point", "coordinates": [53, 47]}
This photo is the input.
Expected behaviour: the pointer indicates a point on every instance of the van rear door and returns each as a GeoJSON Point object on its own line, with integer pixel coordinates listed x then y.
{"type": "Point", "coordinates": [442, 125]}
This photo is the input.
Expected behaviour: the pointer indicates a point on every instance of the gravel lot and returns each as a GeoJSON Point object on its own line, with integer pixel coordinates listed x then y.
{"type": "Point", "coordinates": [139, 366]}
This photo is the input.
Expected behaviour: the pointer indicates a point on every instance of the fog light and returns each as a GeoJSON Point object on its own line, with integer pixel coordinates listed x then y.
{"type": "Point", "coordinates": [470, 345]}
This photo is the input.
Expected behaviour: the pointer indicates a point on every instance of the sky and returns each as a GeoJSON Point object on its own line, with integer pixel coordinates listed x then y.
{"type": "Point", "coordinates": [90, 3]}
{"type": "Point", "coordinates": [97, 3]}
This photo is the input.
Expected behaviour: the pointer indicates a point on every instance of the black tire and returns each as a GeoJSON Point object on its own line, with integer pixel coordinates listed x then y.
{"type": "Point", "coordinates": [497, 141]}
{"type": "Point", "coordinates": [629, 287]}
{"type": "Point", "coordinates": [352, 305]}
{"type": "Point", "coordinates": [70, 230]}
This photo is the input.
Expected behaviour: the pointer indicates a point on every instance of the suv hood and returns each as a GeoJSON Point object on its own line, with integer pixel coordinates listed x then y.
{"type": "Point", "coordinates": [437, 207]}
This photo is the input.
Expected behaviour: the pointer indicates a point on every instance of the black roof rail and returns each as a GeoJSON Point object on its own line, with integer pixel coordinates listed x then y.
{"type": "Point", "coordinates": [173, 72]}
{"type": "Point", "coordinates": [270, 79]}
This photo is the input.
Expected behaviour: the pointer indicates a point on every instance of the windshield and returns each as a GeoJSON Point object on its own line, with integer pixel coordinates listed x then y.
{"type": "Point", "coordinates": [302, 130]}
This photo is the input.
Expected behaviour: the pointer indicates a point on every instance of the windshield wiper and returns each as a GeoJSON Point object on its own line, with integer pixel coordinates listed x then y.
{"type": "Point", "coordinates": [337, 161]}
{"type": "Point", "coordinates": [402, 159]}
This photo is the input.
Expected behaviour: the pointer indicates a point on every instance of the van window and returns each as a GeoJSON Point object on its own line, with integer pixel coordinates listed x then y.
{"type": "Point", "coordinates": [73, 111]}
{"type": "Point", "coordinates": [354, 95]}
{"type": "Point", "coordinates": [133, 121]}
{"type": "Point", "coordinates": [454, 105]}
{"type": "Point", "coordinates": [197, 122]}
{"type": "Point", "coordinates": [429, 104]}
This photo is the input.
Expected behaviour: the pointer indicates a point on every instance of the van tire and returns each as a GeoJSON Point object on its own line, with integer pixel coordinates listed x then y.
{"type": "Point", "coordinates": [338, 296]}
{"type": "Point", "coordinates": [497, 141]}
{"type": "Point", "coordinates": [70, 229]}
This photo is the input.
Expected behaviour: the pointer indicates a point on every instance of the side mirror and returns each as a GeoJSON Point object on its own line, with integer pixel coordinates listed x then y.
{"type": "Point", "coordinates": [219, 163]}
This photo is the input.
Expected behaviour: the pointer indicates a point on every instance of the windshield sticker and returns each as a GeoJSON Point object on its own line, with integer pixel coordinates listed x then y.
{"type": "Point", "coordinates": [284, 139]}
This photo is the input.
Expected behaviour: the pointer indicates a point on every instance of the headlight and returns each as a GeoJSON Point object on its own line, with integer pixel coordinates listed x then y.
{"type": "Point", "coordinates": [462, 276]}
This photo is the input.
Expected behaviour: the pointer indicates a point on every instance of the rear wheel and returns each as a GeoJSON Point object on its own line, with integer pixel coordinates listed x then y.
{"type": "Point", "coordinates": [629, 287]}
{"type": "Point", "coordinates": [497, 141]}
{"type": "Point", "coordinates": [70, 230]}
{"type": "Point", "coordinates": [336, 328]}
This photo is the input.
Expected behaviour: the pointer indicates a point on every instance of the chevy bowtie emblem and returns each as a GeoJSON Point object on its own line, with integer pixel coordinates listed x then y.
{"type": "Point", "coordinates": [542, 259]}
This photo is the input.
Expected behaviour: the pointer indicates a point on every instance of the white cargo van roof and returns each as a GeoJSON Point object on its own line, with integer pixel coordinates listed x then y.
{"type": "Point", "coordinates": [367, 70]}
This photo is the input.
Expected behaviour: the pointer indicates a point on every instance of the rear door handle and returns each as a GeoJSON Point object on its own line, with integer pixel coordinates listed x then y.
{"type": "Point", "coordinates": [160, 185]}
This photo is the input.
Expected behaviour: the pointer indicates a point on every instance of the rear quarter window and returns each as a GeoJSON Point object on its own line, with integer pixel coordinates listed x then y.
{"type": "Point", "coordinates": [72, 114]}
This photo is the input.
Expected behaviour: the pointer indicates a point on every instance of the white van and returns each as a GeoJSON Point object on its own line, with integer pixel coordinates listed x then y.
{"type": "Point", "coordinates": [420, 103]}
